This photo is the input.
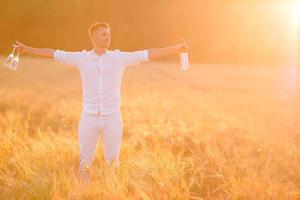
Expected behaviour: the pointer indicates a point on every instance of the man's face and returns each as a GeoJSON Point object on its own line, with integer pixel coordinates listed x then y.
{"type": "Point", "coordinates": [101, 37]}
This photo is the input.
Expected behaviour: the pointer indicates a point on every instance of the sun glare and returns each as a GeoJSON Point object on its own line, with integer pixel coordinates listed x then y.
{"type": "Point", "coordinates": [295, 12]}
{"type": "Point", "coordinates": [294, 15]}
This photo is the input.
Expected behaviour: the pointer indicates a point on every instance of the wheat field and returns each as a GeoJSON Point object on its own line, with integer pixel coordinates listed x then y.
{"type": "Point", "coordinates": [213, 132]}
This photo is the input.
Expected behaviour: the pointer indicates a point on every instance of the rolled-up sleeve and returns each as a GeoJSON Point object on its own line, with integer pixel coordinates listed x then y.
{"type": "Point", "coordinates": [66, 57]}
{"type": "Point", "coordinates": [134, 57]}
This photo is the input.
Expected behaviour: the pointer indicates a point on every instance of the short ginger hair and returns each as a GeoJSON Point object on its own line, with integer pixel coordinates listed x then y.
{"type": "Point", "coordinates": [97, 25]}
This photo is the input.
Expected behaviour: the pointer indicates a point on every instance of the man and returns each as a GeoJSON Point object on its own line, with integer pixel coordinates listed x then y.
{"type": "Point", "coordinates": [101, 73]}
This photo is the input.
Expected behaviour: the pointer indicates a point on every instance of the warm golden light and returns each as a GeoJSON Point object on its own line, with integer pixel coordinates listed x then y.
{"type": "Point", "coordinates": [293, 70]}
{"type": "Point", "coordinates": [226, 128]}
{"type": "Point", "coordinates": [295, 12]}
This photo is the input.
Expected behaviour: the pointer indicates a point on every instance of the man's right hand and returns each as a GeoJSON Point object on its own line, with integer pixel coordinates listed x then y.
{"type": "Point", "coordinates": [20, 47]}
{"type": "Point", "coordinates": [43, 52]}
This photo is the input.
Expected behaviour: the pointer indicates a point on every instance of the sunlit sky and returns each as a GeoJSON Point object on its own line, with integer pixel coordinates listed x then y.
{"type": "Point", "coordinates": [296, 13]}
{"type": "Point", "coordinates": [226, 32]}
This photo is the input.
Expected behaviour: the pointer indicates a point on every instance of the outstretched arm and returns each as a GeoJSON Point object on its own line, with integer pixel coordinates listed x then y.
{"type": "Point", "coordinates": [43, 52]}
{"type": "Point", "coordinates": [162, 52]}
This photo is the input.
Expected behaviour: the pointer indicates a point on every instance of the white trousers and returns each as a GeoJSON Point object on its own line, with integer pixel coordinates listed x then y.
{"type": "Point", "coordinates": [110, 127]}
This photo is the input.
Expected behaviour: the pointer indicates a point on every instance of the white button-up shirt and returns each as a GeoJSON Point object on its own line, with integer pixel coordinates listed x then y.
{"type": "Point", "coordinates": [101, 76]}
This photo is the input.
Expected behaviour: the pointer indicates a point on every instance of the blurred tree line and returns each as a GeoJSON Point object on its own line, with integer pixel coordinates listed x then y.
{"type": "Point", "coordinates": [233, 32]}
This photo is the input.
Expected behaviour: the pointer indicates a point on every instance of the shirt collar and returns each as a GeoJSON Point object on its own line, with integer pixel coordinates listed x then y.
{"type": "Point", "coordinates": [95, 55]}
